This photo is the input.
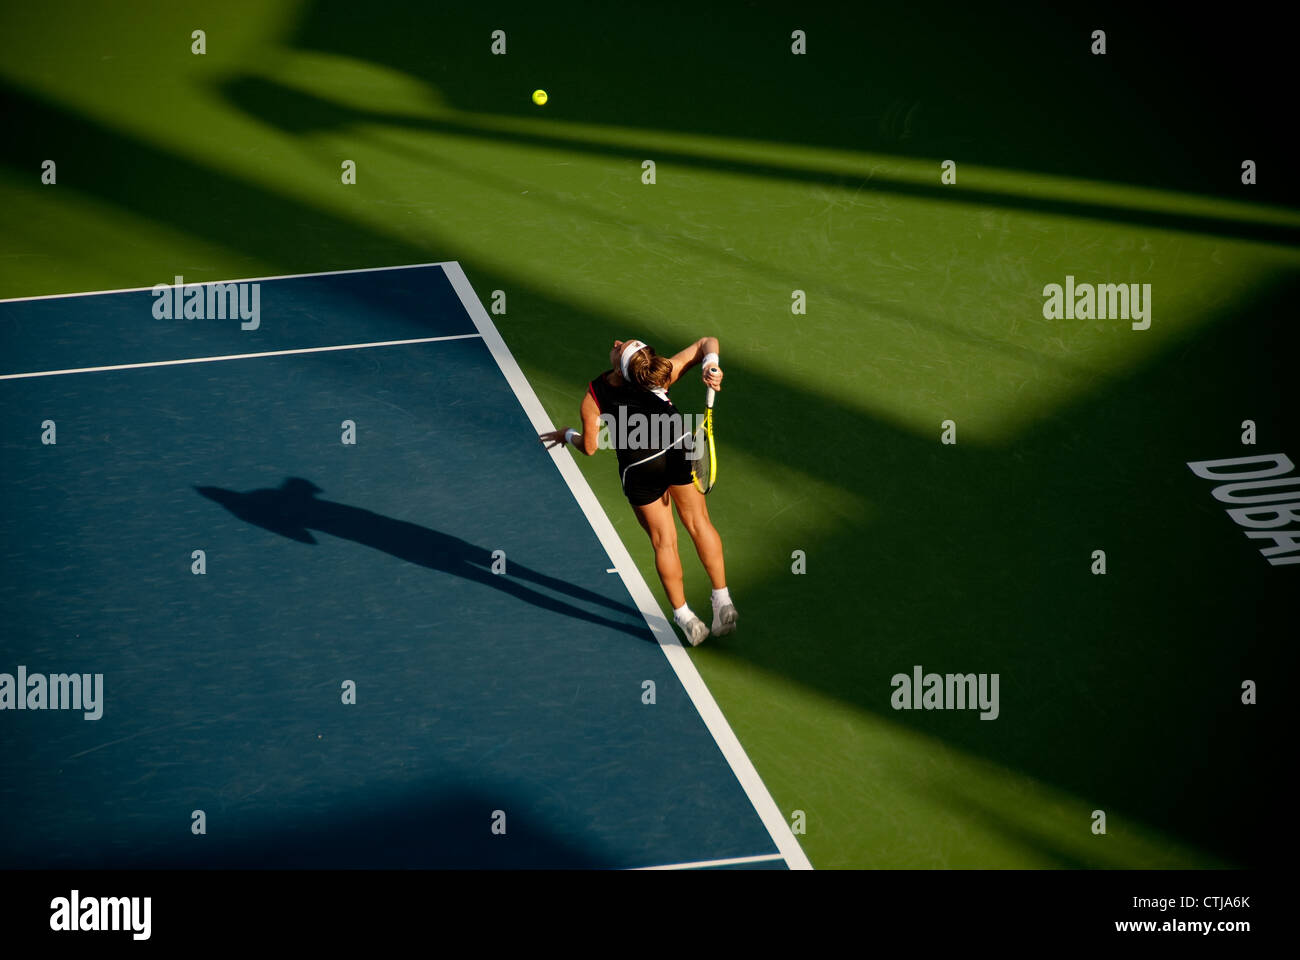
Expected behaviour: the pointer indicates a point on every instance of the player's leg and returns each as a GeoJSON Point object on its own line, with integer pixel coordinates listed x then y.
{"type": "Point", "coordinates": [694, 511]}
{"type": "Point", "coordinates": [657, 519]}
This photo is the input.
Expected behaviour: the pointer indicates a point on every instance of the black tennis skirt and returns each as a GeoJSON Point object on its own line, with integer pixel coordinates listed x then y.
{"type": "Point", "coordinates": [646, 482]}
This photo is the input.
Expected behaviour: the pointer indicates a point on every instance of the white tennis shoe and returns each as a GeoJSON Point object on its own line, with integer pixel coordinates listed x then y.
{"type": "Point", "coordinates": [724, 619]}
{"type": "Point", "coordinates": [695, 631]}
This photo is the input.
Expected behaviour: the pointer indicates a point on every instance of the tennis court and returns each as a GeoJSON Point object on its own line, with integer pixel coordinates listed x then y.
{"type": "Point", "coordinates": [868, 222]}
{"type": "Point", "coordinates": [484, 698]}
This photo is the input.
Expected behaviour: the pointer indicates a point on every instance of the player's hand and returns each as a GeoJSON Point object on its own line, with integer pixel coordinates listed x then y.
{"type": "Point", "coordinates": [713, 378]}
{"type": "Point", "coordinates": [552, 439]}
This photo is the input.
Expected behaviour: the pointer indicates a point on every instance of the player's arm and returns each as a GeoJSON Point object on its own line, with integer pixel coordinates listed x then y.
{"type": "Point", "coordinates": [696, 353]}
{"type": "Point", "coordinates": [587, 440]}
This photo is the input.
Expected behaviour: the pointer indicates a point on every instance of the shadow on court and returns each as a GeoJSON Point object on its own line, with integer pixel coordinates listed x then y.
{"type": "Point", "coordinates": [430, 828]}
{"type": "Point", "coordinates": [1121, 685]}
{"type": "Point", "coordinates": [293, 510]}
{"type": "Point", "coordinates": [1021, 90]}
{"type": "Point", "coordinates": [297, 113]}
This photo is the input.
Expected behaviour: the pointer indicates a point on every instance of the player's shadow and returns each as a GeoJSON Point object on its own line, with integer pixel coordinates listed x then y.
{"type": "Point", "coordinates": [294, 511]}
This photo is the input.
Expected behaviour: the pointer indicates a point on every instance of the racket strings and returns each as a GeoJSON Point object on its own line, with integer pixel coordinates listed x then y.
{"type": "Point", "coordinates": [702, 466]}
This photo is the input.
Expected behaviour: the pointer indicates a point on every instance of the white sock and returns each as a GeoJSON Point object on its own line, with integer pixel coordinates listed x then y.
{"type": "Point", "coordinates": [683, 615]}
{"type": "Point", "coordinates": [721, 598]}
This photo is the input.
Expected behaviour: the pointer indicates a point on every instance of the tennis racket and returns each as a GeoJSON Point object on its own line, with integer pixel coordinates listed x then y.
{"type": "Point", "coordinates": [704, 468]}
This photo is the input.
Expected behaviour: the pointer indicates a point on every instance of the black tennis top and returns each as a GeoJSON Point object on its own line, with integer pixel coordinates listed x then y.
{"type": "Point", "coordinates": [641, 422]}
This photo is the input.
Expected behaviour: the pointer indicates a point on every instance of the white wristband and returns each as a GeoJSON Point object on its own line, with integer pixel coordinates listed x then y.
{"type": "Point", "coordinates": [710, 359]}
{"type": "Point", "coordinates": [570, 434]}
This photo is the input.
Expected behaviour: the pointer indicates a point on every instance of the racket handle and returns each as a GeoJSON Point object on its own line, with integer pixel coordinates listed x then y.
{"type": "Point", "coordinates": [709, 400]}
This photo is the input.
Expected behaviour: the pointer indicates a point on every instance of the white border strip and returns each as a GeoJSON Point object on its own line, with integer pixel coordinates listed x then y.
{"type": "Point", "coordinates": [789, 848]}
{"type": "Point", "coordinates": [204, 283]}
{"type": "Point", "coordinates": [698, 864]}
{"type": "Point", "coordinates": [690, 678]}
{"type": "Point", "coordinates": [232, 356]}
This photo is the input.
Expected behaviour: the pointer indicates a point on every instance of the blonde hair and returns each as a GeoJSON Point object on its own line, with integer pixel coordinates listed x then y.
{"type": "Point", "coordinates": [649, 371]}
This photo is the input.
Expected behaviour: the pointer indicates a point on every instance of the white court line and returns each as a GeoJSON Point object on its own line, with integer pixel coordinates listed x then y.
{"type": "Point", "coordinates": [686, 672]}
{"type": "Point", "coordinates": [206, 283]}
{"type": "Point", "coordinates": [234, 356]}
{"type": "Point", "coordinates": [689, 677]}
{"type": "Point", "coordinates": [715, 863]}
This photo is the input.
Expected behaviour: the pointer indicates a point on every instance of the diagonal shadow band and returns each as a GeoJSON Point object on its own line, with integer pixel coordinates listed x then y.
{"type": "Point", "coordinates": [298, 113]}
{"type": "Point", "coordinates": [977, 508]}
{"type": "Point", "coordinates": [1021, 92]}
{"type": "Point", "coordinates": [760, 269]}
{"type": "Point", "coordinates": [293, 510]}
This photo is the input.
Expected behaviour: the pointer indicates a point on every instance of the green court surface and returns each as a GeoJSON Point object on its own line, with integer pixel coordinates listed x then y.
{"type": "Point", "coordinates": [819, 173]}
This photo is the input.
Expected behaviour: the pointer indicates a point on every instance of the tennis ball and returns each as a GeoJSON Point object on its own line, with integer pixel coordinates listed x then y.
{"type": "Point", "coordinates": [539, 97]}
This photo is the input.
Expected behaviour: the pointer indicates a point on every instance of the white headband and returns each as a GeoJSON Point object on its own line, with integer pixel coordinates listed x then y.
{"type": "Point", "coordinates": [629, 350]}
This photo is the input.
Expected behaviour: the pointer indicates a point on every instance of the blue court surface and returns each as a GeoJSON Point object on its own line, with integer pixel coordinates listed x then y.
{"type": "Point", "coordinates": [482, 698]}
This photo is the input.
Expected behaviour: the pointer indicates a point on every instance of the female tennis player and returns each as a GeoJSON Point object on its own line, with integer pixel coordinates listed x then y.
{"type": "Point", "coordinates": [654, 466]}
